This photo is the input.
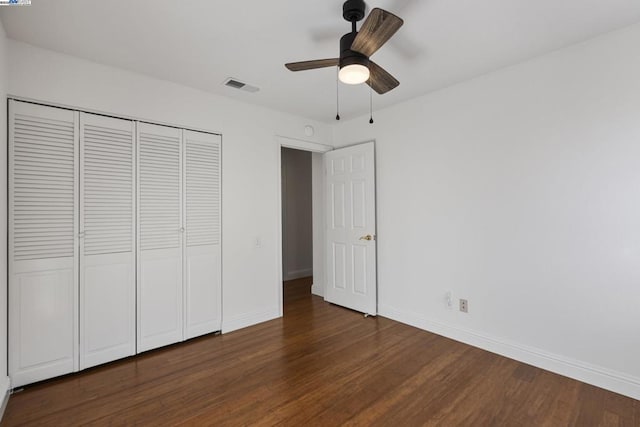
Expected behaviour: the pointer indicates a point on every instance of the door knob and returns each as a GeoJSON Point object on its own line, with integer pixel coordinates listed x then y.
{"type": "Point", "coordinates": [368, 237]}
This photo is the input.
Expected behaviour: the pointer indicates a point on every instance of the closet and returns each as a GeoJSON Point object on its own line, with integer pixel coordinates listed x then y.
{"type": "Point", "coordinates": [114, 238]}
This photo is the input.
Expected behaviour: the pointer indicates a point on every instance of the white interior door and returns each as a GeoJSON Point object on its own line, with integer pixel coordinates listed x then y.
{"type": "Point", "coordinates": [203, 294]}
{"type": "Point", "coordinates": [351, 228]}
{"type": "Point", "coordinates": [43, 254]}
{"type": "Point", "coordinates": [160, 293]}
{"type": "Point", "coordinates": [107, 239]}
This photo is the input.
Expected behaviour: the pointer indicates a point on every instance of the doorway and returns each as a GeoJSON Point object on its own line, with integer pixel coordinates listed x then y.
{"type": "Point", "coordinates": [343, 222]}
{"type": "Point", "coordinates": [297, 223]}
{"type": "Point", "coordinates": [316, 151]}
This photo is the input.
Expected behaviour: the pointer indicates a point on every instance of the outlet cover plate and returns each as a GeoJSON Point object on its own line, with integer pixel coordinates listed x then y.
{"type": "Point", "coordinates": [464, 306]}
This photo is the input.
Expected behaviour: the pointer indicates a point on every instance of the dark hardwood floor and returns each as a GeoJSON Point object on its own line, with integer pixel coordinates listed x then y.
{"type": "Point", "coordinates": [319, 365]}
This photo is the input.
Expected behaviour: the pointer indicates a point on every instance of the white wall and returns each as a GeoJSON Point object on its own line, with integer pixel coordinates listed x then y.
{"type": "Point", "coordinates": [250, 173]}
{"type": "Point", "coordinates": [3, 213]}
{"type": "Point", "coordinates": [520, 191]}
{"type": "Point", "coordinates": [297, 234]}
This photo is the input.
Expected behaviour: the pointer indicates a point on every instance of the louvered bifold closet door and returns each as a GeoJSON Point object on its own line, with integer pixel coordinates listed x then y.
{"type": "Point", "coordinates": [107, 239]}
{"type": "Point", "coordinates": [160, 301]}
{"type": "Point", "coordinates": [43, 284]}
{"type": "Point", "coordinates": [203, 293]}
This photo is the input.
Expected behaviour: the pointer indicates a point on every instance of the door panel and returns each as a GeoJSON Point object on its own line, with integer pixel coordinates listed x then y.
{"type": "Point", "coordinates": [43, 255]}
{"type": "Point", "coordinates": [359, 261]}
{"type": "Point", "coordinates": [339, 261]}
{"type": "Point", "coordinates": [337, 213]}
{"type": "Point", "coordinates": [160, 298]}
{"type": "Point", "coordinates": [42, 344]}
{"type": "Point", "coordinates": [351, 255]}
{"type": "Point", "coordinates": [160, 236]}
{"type": "Point", "coordinates": [107, 239]}
{"type": "Point", "coordinates": [108, 307]}
{"type": "Point", "coordinates": [203, 294]}
{"type": "Point", "coordinates": [203, 311]}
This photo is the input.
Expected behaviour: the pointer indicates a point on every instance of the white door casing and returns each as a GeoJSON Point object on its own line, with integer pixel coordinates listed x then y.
{"type": "Point", "coordinates": [160, 236]}
{"type": "Point", "coordinates": [202, 254]}
{"type": "Point", "coordinates": [43, 250]}
{"type": "Point", "coordinates": [351, 228]}
{"type": "Point", "coordinates": [107, 239]}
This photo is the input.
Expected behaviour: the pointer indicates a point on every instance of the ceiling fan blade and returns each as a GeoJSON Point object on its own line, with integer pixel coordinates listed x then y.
{"type": "Point", "coordinates": [379, 26]}
{"type": "Point", "coordinates": [310, 65]}
{"type": "Point", "coordinates": [380, 80]}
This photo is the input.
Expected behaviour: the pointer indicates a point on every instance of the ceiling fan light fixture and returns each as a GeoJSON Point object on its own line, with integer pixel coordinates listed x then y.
{"type": "Point", "coordinates": [354, 74]}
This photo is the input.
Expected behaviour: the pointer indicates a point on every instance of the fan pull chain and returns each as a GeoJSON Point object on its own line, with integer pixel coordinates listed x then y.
{"type": "Point", "coordinates": [337, 94]}
{"type": "Point", "coordinates": [370, 105]}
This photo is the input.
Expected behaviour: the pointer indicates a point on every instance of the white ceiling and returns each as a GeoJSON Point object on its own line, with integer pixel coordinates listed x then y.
{"type": "Point", "coordinates": [199, 43]}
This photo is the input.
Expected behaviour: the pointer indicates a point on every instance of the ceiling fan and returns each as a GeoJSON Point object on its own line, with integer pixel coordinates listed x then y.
{"type": "Point", "coordinates": [357, 47]}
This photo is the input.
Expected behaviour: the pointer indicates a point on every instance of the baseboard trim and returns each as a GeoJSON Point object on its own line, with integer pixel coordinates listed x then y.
{"type": "Point", "coordinates": [5, 390]}
{"type": "Point", "coordinates": [249, 319]}
{"type": "Point", "coordinates": [298, 274]}
{"type": "Point", "coordinates": [595, 375]}
{"type": "Point", "coordinates": [317, 289]}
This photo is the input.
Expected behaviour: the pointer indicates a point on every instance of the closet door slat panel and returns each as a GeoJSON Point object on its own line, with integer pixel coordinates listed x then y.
{"type": "Point", "coordinates": [107, 243]}
{"type": "Point", "coordinates": [160, 300]}
{"type": "Point", "coordinates": [43, 254]}
{"type": "Point", "coordinates": [203, 233]}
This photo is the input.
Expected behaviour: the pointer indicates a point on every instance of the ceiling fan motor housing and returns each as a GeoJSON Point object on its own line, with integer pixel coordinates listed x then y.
{"type": "Point", "coordinates": [348, 56]}
{"type": "Point", "coordinates": [353, 10]}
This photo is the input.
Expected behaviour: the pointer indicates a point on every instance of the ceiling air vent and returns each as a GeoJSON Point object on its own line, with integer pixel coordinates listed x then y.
{"type": "Point", "coordinates": [237, 84]}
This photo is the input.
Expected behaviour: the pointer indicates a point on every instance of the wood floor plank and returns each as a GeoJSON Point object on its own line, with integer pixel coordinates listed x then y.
{"type": "Point", "coordinates": [319, 365]}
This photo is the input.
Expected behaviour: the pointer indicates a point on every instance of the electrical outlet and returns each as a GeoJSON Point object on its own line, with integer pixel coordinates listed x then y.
{"type": "Point", "coordinates": [464, 306]}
